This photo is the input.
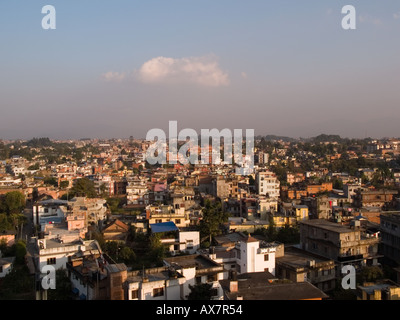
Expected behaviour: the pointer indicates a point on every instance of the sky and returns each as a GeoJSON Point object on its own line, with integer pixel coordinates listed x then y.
{"type": "Point", "coordinates": [115, 69]}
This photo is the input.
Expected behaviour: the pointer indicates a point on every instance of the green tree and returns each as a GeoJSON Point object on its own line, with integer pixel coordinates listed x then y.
{"type": "Point", "coordinates": [370, 274]}
{"type": "Point", "coordinates": [20, 252]}
{"type": "Point", "coordinates": [83, 187]}
{"type": "Point", "coordinates": [202, 291]}
{"type": "Point", "coordinates": [156, 249]}
{"type": "Point", "coordinates": [213, 218]}
{"type": "Point", "coordinates": [64, 184]}
{"type": "Point", "coordinates": [13, 202]}
{"type": "Point", "coordinates": [127, 255]}
{"type": "Point", "coordinates": [63, 290]}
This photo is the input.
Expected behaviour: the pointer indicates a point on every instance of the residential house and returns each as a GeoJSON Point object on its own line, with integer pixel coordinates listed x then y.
{"type": "Point", "coordinates": [166, 213]}
{"type": "Point", "coordinates": [381, 290]}
{"type": "Point", "coordinates": [116, 231]}
{"type": "Point", "coordinates": [267, 184]}
{"type": "Point", "coordinates": [374, 198]}
{"type": "Point", "coordinates": [178, 240]}
{"type": "Point", "coordinates": [343, 244]}
{"type": "Point", "coordinates": [94, 278]}
{"type": "Point", "coordinates": [299, 266]}
{"type": "Point", "coordinates": [390, 235]}
{"type": "Point", "coordinates": [161, 283]}
{"type": "Point", "coordinates": [198, 269]}
{"type": "Point", "coordinates": [6, 265]}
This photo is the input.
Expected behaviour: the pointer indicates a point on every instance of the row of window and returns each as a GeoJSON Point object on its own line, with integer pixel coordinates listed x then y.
{"type": "Point", "coordinates": [157, 292]}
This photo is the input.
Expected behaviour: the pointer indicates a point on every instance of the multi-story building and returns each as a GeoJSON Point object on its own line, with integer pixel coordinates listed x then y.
{"type": "Point", "coordinates": [154, 284]}
{"type": "Point", "coordinates": [390, 235]}
{"type": "Point", "coordinates": [94, 278]}
{"type": "Point", "coordinates": [374, 198]}
{"type": "Point", "coordinates": [166, 213]}
{"type": "Point", "coordinates": [343, 244]}
{"type": "Point", "coordinates": [253, 256]}
{"type": "Point", "coordinates": [299, 266]}
{"type": "Point", "coordinates": [225, 187]}
{"type": "Point", "coordinates": [198, 269]}
{"type": "Point", "coordinates": [267, 184]}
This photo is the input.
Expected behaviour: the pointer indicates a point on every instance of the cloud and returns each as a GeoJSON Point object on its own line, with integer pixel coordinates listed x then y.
{"type": "Point", "coordinates": [244, 75]}
{"type": "Point", "coordinates": [113, 76]}
{"type": "Point", "coordinates": [396, 15]}
{"type": "Point", "coordinates": [203, 71]}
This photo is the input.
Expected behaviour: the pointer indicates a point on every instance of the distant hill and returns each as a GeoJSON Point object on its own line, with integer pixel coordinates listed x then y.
{"type": "Point", "coordinates": [272, 137]}
{"type": "Point", "coordinates": [328, 138]}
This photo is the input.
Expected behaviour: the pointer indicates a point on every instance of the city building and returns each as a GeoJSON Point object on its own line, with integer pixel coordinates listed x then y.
{"type": "Point", "coordinates": [198, 269]}
{"type": "Point", "coordinates": [343, 244]}
{"type": "Point", "coordinates": [390, 235]}
{"type": "Point", "coordinates": [267, 184]}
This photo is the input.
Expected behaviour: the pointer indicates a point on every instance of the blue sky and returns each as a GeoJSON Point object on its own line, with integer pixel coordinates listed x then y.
{"type": "Point", "coordinates": [120, 68]}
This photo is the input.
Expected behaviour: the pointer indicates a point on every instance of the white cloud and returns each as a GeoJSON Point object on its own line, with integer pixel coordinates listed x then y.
{"type": "Point", "coordinates": [203, 71]}
{"type": "Point", "coordinates": [244, 75]}
{"type": "Point", "coordinates": [396, 15]}
{"type": "Point", "coordinates": [113, 76]}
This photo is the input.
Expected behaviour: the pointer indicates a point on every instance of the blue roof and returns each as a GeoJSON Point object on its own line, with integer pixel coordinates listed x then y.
{"type": "Point", "coordinates": [163, 227]}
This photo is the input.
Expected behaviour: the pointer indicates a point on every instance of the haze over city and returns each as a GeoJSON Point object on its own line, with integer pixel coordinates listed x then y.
{"type": "Point", "coordinates": [118, 69]}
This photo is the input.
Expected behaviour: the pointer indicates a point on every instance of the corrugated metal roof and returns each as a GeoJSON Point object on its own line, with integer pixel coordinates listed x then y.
{"type": "Point", "coordinates": [163, 227]}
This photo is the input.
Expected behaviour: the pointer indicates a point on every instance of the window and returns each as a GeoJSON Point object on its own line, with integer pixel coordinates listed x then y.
{"type": "Point", "coordinates": [158, 292]}
{"type": "Point", "coordinates": [177, 221]}
{"type": "Point", "coordinates": [135, 294]}
{"type": "Point", "coordinates": [266, 269]}
{"type": "Point", "coordinates": [212, 277]}
{"type": "Point", "coordinates": [189, 244]}
{"type": "Point", "coordinates": [266, 258]}
{"type": "Point", "coordinates": [51, 261]}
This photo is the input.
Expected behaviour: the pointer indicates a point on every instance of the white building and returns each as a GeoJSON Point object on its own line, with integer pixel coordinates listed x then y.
{"type": "Point", "coordinates": [49, 211]}
{"type": "Point", "coordinates": [267, 184]}
{"type": "Point", "coordinates": [6, 265]}
{"type": "Point", "coordinates": [253, 258]}
{"type": "Point", "coordinates": [198, 269]}
{"type": "Point", "coordinates": [187, 241]}
{"type": "Point", "coordinates": [154, 284]}
{"type": "Point", "coordinates": [56, 253]}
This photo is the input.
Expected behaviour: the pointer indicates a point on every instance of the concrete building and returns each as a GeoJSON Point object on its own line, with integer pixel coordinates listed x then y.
{"type": "Point", "coordinates": [344, 244]}
{"type": "Point", "coordinates": [6, 265]}
{"type": "Point", "coordinates": [383, 290]}
{"type": "Point", "coordinates": [166, 213]}
{"type": "Point", "coordinates": [390, 235]}
{"type": "Point", "coordinates": [94, 278]}
{"type": "Point", "coordinates": [267, 184]}
{"type": "Point", "coordinates": [178, 240]}
{"type": "Point", "coordinates": [253, 256]}
{"type": "Point", "coordinates": [154, 284]}
{"type": "Point", "coordinates": [198, 269]}
{"type": "Point", "coordinates": [301, 266]}
{"type": "Point", "coordinates": [374, 198]}
{"type": "Point", "coordinates": [50, 251]}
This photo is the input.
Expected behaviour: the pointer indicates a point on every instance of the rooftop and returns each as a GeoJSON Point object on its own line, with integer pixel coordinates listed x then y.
{"type": "Point", "coordinates": [189, 261]}
{"type": "Point", "coordinates": [264, 286]}
{"type": "Point", "coordinates": [324, 224]}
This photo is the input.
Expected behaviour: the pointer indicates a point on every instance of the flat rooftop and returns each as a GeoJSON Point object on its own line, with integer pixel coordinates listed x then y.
{"type": "Point", "coordinates": [264, 286]}
{"type": "Point", "coordinates": [298, 258]}
{"type": "Point", "coordinates": [194, 260]}
{"type": "Point", "coordinates": [327, 225]}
